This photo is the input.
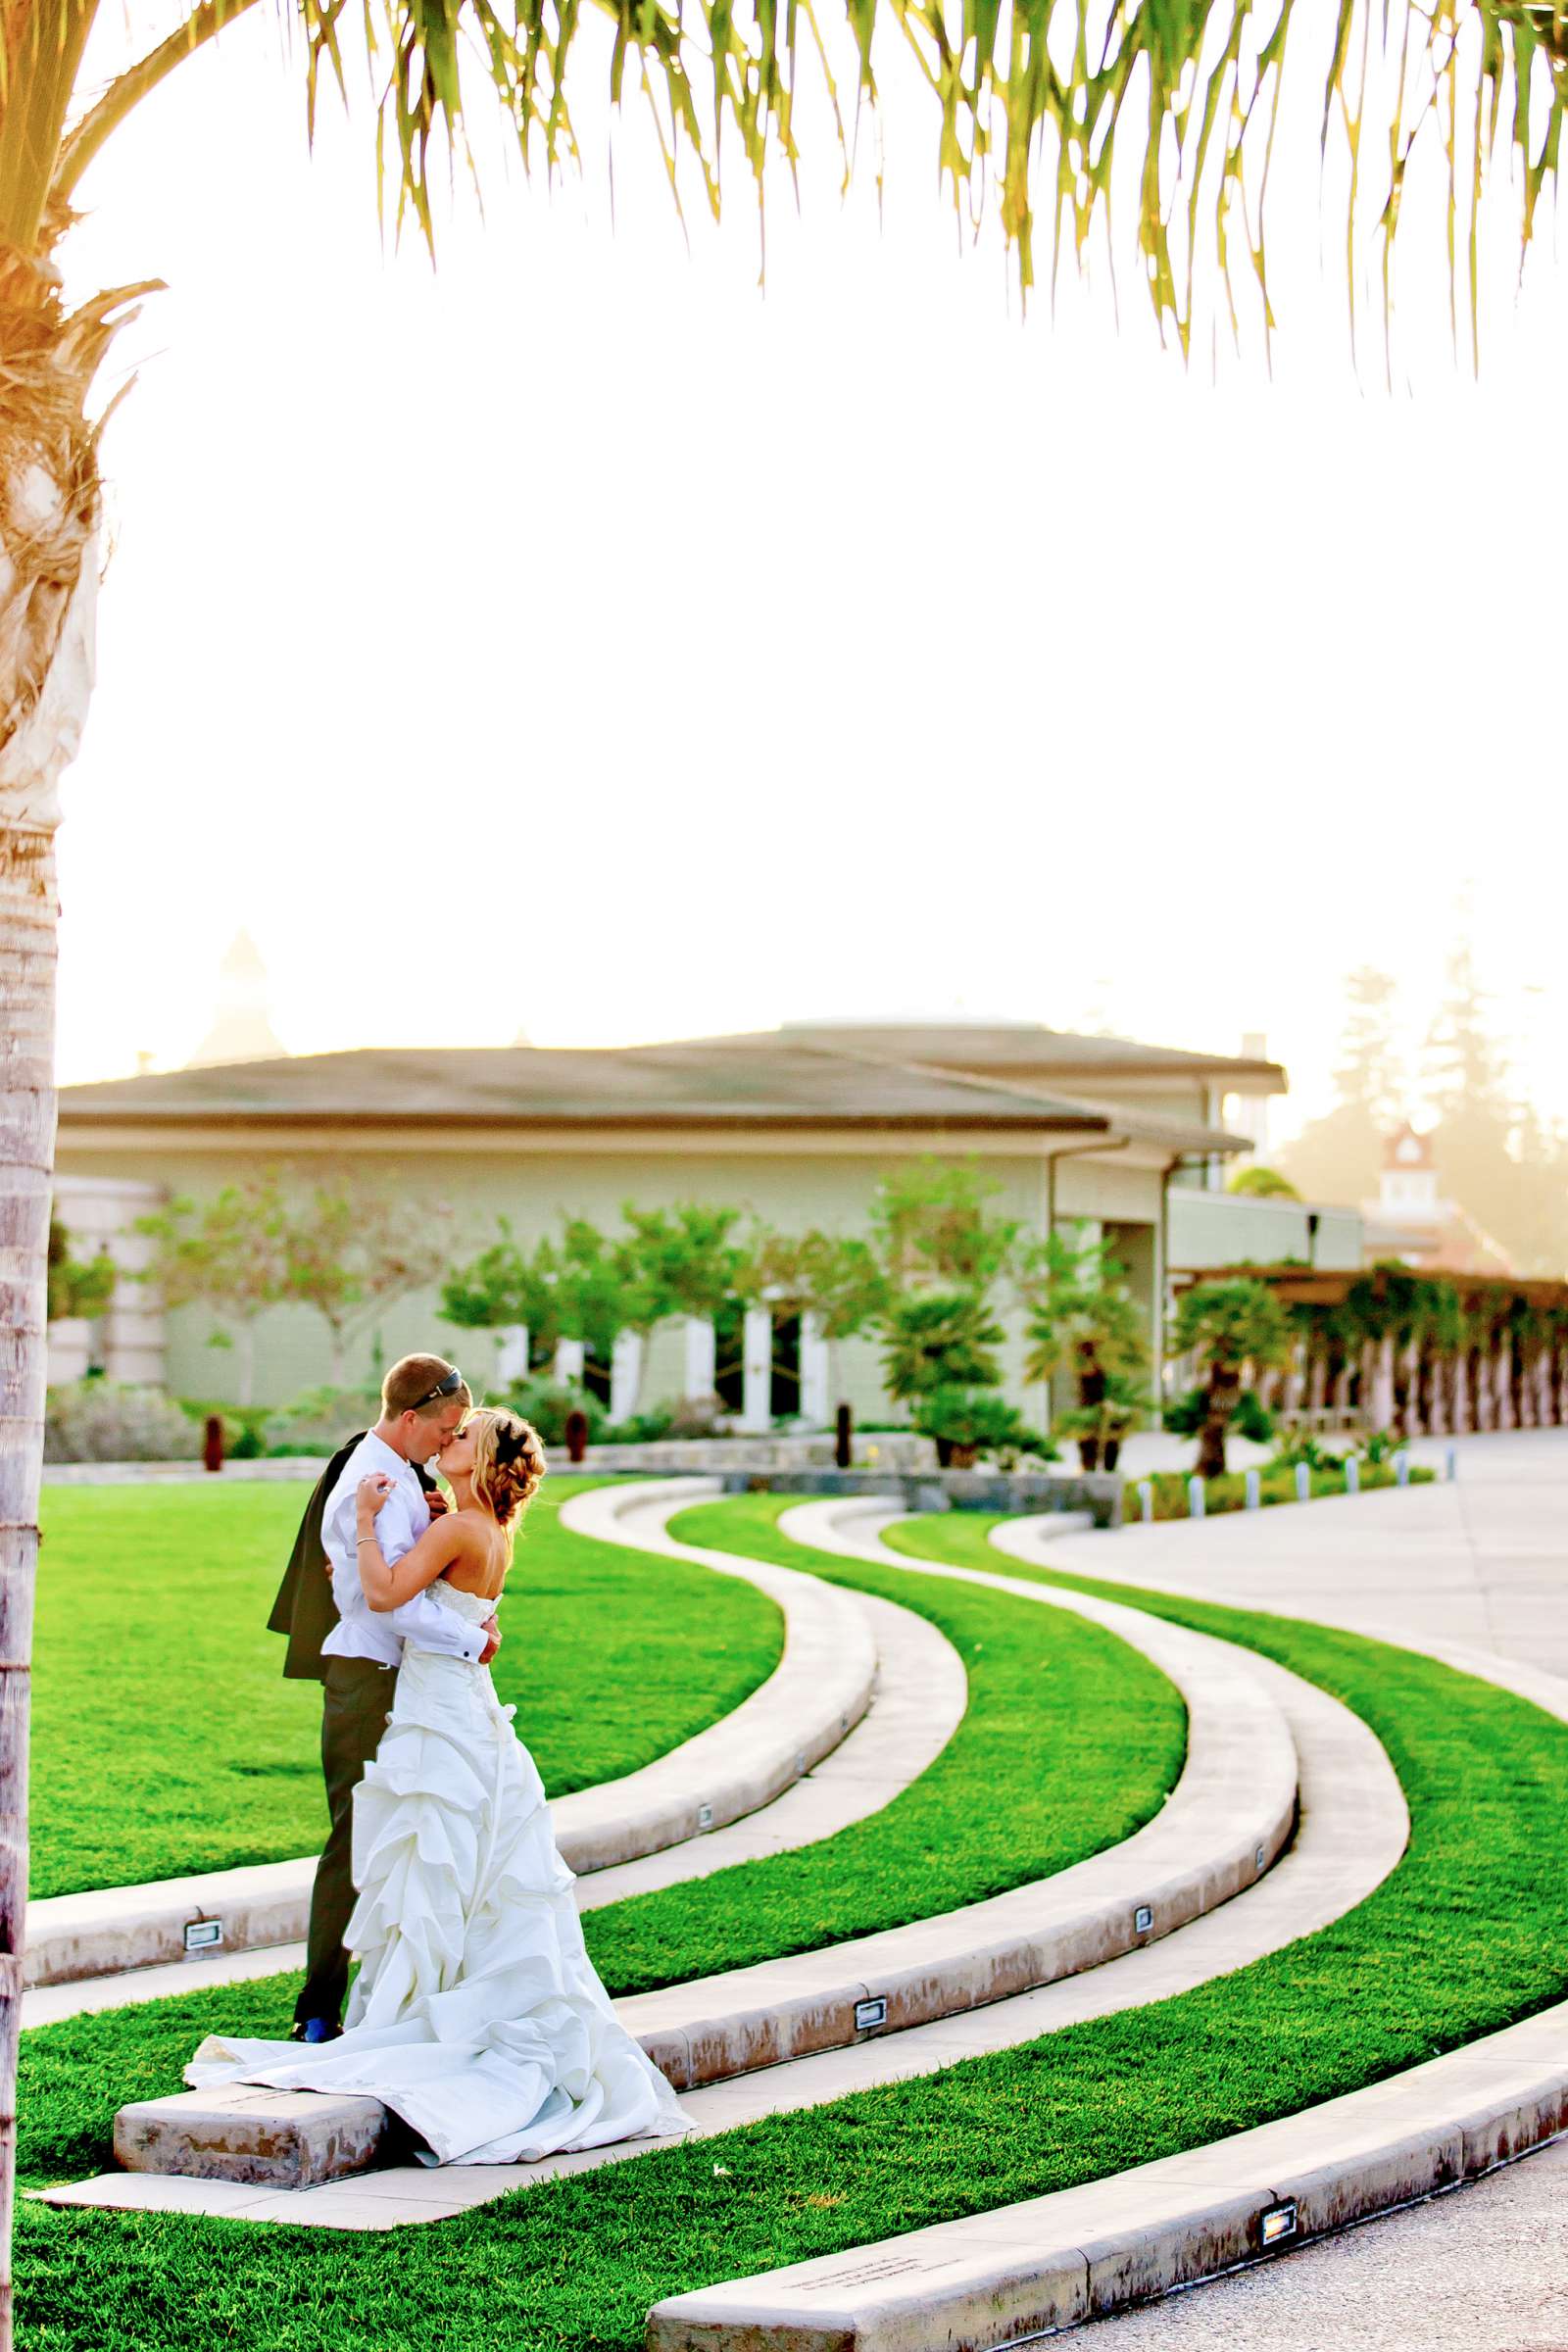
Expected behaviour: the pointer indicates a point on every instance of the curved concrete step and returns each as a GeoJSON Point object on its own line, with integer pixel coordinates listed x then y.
{"type": "Point", "coordinates": [820, 1689]}
{"type": "Point", "coordinates": [1351, 1829]}
{"type": "Point", "coordinates": [1229, 1815]}
{"type": "Point", "coordinates": [1026, 2269]}
{"type": "Point", "coordinates": [921, 1691]}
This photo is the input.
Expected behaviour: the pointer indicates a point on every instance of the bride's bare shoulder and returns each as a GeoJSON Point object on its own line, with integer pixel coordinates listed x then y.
{"type": "Point", "coordinates": [469, 1570]}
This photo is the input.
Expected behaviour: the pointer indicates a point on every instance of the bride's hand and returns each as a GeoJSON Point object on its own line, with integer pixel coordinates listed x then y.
{"type": "Point", "coordinates": [371, 1493]}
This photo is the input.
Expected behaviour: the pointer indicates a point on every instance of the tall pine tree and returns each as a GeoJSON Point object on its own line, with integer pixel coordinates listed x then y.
{"type": "Point", "coordinates": [1338, 1157]}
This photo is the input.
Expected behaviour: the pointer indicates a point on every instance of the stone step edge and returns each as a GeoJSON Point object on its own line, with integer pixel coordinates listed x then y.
{"type": "Point", "coordinates": [1009, 1944]}
{"type": "Point", "coordinates": [696, 1788]}
{"type": "Point", "coordinates": [1320, 1827]}
{"type": "Point", "coordinates": [995, 2279]}
{"type": "Point", "coordinates": [869, 1985]}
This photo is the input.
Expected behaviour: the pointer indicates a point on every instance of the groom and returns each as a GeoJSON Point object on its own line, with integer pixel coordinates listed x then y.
{"type": "Point", "coordinates": [335, 1638]}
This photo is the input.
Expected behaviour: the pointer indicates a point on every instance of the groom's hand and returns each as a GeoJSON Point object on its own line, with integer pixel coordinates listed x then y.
{"type": "Point", "coordinates": [492, 1640]}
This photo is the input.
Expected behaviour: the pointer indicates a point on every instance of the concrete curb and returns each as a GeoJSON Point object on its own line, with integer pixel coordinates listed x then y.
{"type": "Point", "coordinates": [1049, 2263]}
{"type": "Point", "coordinates": [1352, 1831]}
{"type": "Point", "coordinates": [1231, 1814]}
{"type": "Point", "coordinates": [820, 1689]}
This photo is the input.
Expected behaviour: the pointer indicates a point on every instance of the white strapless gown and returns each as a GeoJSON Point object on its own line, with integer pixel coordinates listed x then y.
{"type": "Point", "coordinates": [476, 2015]}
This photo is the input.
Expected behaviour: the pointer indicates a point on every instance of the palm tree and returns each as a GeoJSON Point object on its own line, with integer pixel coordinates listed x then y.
{"type": "Point", "coordinates": [1192, 88]}
{"type": "Point", "coordinates": [1082, 1316]}
{"type": "Point", "coordinates": [1227, 1326]}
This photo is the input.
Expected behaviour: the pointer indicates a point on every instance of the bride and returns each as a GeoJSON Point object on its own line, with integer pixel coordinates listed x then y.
{"type": "Point", "coordinates": [476, 2015]}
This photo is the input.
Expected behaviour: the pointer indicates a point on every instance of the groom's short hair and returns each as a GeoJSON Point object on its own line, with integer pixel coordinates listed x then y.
{"type": "Point", "coordinates": [410, 1384]}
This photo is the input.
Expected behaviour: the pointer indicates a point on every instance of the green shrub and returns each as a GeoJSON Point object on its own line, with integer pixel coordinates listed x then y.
{"type": "Point", "coordinates": [641, 1429]}
{"type": "Point", "coordinates": [319, 1421]}
{"type": "Point", "coordinates": [966, 1422]}
{"type": "Point", "coordinates": [546, 1403]}
{"type": "Point", "coordinates": [102, 1421]}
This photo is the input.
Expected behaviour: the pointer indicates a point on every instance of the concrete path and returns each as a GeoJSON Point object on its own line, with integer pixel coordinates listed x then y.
{"type": "Point", "coordinates": [1481, 2270]}
{"type": "Point", "coordinates": [1481, 1561]}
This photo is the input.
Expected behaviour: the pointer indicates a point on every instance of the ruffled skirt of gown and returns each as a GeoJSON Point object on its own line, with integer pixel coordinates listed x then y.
{"type": "Point", "coordinates": [476, 2015]}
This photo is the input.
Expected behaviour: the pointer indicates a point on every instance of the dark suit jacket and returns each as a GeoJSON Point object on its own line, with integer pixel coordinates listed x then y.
{"type": "Point", "coordinates": [305, 1609]}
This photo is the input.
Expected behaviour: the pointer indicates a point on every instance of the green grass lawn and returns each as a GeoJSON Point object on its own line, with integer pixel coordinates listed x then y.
{"type": "Point", "coordinates": [1466, 1934]}
{"type": "Point", "coordinates": [165, 1738]}
{"type": "Point", "coordinates": [1069, 1741]}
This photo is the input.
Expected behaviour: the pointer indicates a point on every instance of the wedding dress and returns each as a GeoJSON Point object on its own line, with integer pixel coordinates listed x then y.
{"type": "Point", "coordinates": [476, 2015]}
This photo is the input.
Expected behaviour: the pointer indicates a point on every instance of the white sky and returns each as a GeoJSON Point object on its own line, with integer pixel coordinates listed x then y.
{"type": "Point", "coordinates": [579, 640]}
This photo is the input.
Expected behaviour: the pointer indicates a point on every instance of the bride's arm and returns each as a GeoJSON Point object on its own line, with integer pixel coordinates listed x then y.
{"type": "Point", "coordinates": [388, 1587]}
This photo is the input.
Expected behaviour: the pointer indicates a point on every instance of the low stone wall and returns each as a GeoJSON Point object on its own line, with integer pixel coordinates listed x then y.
{"type": "Point", "coordinates": [897, 1451]}
{"type": "Point", "coordinates": [1024, 1491]}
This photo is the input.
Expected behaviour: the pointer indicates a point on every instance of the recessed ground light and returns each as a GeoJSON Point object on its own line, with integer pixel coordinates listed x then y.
{"type": "Point", "coordinates": [1143, 1920]}
{"type": "Point", "coordinates": [1277, 2222]}
{"type": "Point", "coordinates": [800, 1766]}
{"type": "Point", "coordinates": [1260, 1857]}
{"type": "Point", "coordinates": [203, 1934]}
{"type": "Point", "coordinates": [870, 2013]}
{"type": "Point", "coordinates": [705, 1817]}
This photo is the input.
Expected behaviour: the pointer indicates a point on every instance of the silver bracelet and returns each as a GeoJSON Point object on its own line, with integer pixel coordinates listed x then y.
{"type": "Point", "coordinates": [368, 1539]}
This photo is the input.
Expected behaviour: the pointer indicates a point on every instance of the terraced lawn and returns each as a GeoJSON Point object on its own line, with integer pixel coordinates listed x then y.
{"type": "Point", "coordinates": [1467, 1934]}
{"type": "Point", "coordinates": [165, 1738]}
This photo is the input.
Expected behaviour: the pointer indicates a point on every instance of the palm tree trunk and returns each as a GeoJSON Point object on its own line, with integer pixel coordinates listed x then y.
{"type": "Point", "coordinates": [1224, 1394]}
{"type": "Point", "coordinates": [48, 576]}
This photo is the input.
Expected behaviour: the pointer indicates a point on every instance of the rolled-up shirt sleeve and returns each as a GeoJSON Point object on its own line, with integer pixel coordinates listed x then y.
{"type": "Point", "coordinates": [422, 1620]}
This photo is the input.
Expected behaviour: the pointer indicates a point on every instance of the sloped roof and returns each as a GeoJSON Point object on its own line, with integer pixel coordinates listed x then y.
{"type": "Point", "coordinates": [678, 1085]}
{"type": "Point", "coordinates": [995, 1048]}
{"type": "Point", "coordinates": [771, 1082]}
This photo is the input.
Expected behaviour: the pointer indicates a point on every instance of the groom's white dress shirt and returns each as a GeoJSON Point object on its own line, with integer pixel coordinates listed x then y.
{"type": "Point", "coordinates": [360, 1630]}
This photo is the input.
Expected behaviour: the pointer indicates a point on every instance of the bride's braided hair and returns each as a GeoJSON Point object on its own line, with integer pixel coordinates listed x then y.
{"type": "Point", "coordinates": [508, 1464]}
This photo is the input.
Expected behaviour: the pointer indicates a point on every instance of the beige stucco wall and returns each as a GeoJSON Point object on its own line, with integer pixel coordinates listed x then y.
{"type": "Point", "coordinates": [1230, 1229]}
{"type": "Point", "coordinates": [830, 1188]}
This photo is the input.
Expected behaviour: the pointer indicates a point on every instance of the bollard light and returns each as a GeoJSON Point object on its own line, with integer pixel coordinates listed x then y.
{"type": "Point", "coordinates": [1303, 1483]}
{"type": "Point", "coordinates": [1402, 1468]}
{"type": "Point", "coordinates": [1353, 1475]}
{"type": "Point", "coordinates": [1255, 1491]}
{"type": "Point", "coordinates": [1146, 1501]}
{"type": "Point", "coordinates": [1194, 1499]}
{"type": "Point", "coordinates": [1454, 1462]}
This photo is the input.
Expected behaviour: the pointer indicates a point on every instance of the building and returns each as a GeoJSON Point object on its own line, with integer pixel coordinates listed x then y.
{"type": "Point", "coordinates": [795, 1125]}
{"type": "Point", "coordinates": [1410, 1219]}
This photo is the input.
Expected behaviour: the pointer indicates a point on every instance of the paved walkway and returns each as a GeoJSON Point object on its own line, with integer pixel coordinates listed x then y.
{"type": "Point", "coordinates": [1484, 2270]}
{"type": "Point", "coordinates": [1481, 1560]}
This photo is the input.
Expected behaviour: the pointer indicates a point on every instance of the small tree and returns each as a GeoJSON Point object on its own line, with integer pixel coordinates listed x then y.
{"type": "Point", "coordinates": [595, 1290]}
{"type": "Point", "coordinates": [932, 1223]}
{"type": "Point", "coordinates": [833, 1278]}
{"type": "Point", "coordinates": [349, 1253]}
{"type": "Point", "coordinates": [939, 1340]}
{"type": "Point", "coordinates": [77, 1285]}
{"type": "Point", "coordinates": [229, 1254]}
{"type": "Point", "coordinates": [501, 1288]}
{"type": "Point", "coordinates": [1228, 1327]}
{"type": "Point", "coordinates": [1082, 1316]}
{"type": "Point", "coordinates": [676, 1261]}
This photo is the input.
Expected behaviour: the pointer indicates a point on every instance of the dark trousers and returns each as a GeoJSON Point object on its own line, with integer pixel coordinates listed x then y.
{"type": "Point", "coordinates": [356, 1699]}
